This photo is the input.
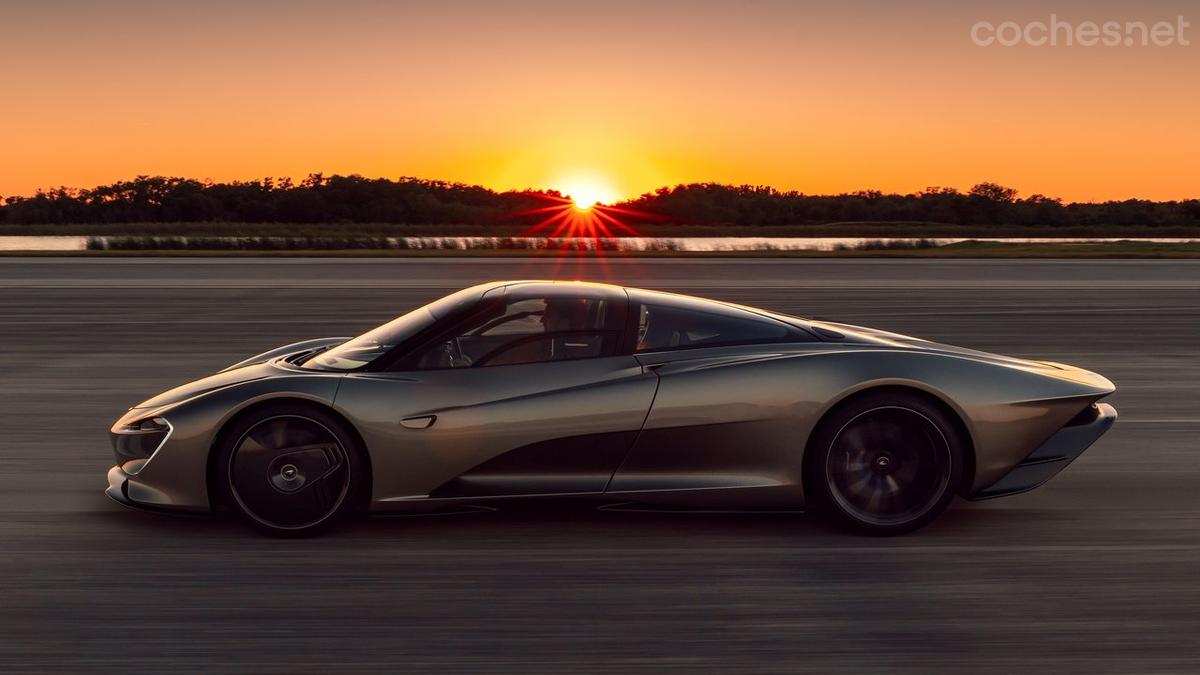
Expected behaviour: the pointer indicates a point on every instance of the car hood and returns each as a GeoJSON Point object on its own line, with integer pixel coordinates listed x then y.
{"type": "Point", "coordinates": [204, 385]}
{"type": "Point", "coordinates": [254, 368]}
{"type": "Point", "coordinates": [288, 350]}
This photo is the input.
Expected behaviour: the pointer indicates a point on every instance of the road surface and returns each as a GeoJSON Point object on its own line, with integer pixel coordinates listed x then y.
{"type": "Point", "coordinates": [1097, 571]}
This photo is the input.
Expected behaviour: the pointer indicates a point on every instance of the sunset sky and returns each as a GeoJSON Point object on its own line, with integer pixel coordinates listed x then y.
{"type": "Point", "coordinates": [820, 97]}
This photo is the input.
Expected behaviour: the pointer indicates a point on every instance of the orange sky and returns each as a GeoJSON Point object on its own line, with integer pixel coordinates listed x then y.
{"type": "Point", "coordinates": [818, 97]}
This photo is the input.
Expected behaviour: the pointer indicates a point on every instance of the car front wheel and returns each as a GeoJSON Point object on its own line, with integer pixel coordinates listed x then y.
{"type": "Point", "coordinates": [291, 470]}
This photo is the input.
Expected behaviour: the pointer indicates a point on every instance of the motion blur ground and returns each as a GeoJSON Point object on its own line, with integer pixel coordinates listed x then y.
{"type": "Point", "coordinates": [1093, 572]}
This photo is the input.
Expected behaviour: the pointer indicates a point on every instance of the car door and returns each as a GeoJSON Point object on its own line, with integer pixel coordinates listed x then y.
{"type": "Point", "coordinates": [725, 411]}
{"type": "Point", "coordinates": [532, 396]}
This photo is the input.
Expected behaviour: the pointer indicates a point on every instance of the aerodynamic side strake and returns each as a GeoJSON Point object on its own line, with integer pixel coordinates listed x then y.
{"type": "Point", "coordinates": [524, 389]}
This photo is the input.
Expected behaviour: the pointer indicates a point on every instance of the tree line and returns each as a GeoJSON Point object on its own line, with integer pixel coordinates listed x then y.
{"type": "Point", "coordinates": [355, 199]}
{"type": "Point", "coordinates": [984, 204]}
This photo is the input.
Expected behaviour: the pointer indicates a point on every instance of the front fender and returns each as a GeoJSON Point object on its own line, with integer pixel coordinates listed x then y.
{"type": "Point", "coordinates": [177, 475]}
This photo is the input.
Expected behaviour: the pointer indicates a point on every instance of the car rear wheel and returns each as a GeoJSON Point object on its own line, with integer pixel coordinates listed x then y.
{"type": "Point", "coordinates": [886, 464]}
{"type": "Point", "coordinates": [291, 471]}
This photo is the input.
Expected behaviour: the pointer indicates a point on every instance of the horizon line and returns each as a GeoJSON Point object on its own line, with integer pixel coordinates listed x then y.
{"type": "Point", "coordinates": [291, 182]}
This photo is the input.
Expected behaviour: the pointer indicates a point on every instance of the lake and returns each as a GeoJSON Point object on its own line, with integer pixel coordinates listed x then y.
{"type": "Point", "coordinates": [698, 244]}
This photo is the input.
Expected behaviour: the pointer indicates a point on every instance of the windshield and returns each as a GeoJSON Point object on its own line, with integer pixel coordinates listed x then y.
{"type": "Point", "coordinates": [369, 346]}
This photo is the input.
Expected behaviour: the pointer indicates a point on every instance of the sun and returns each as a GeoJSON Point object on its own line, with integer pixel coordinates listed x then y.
{"type": "Point", "coordinates": [583, 208]}
{"type": "Point", "coordinates": [586, 192]}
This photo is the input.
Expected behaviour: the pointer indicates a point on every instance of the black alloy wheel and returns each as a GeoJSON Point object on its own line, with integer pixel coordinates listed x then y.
{"type": "Point", "coordinates": [291, 472]}
{"type": "Point", "coordinates": [886, 465]}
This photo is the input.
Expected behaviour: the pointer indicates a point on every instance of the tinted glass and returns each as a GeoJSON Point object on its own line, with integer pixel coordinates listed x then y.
{"type": "Point", "coordinates": [529, 330]}
{"type": "Point", "coordinates": [558, 347]}
{"type": "Point", "coordinates": [663, 327]}
{"type": "Point", "coordinates": [371, 345]}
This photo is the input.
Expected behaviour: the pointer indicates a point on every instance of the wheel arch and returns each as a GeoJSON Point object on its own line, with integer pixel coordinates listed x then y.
{"type": "Point", "coordinates": [214, 494]}
{"type": "Point", "coordinates": [934, 398]}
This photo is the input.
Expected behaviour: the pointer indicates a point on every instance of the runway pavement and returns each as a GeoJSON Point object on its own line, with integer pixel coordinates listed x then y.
{"type": "Point", "coordinates": [1098, 571]}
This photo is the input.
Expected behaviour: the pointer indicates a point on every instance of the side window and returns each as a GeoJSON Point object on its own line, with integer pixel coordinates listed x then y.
{"type": "Point", "coordinates": [529, 330]}
{"type": "Point", "coordinates": [662, 327]}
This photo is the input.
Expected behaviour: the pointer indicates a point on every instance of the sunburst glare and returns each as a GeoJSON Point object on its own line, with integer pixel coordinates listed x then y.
{"type": "Point", "coordinates": [586, 215]}
{"type": "Point", "coordinates": [586, 192]}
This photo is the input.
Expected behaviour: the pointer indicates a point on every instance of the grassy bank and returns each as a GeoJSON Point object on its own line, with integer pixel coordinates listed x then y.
{"type": "Point", "coordinates": [369, 230]}
{"type": "Point", "coordinates": [970, 249]}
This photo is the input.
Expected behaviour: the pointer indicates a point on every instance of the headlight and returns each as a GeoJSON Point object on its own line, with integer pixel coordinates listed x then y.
{"type": "Point", "coordinates": [136, 442]}
{"type": "Point", "coordinates": [146, 425]}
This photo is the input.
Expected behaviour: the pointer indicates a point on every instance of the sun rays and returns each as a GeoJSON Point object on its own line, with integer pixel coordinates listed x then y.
{"type": "Point", "coordinates": [587, 192]}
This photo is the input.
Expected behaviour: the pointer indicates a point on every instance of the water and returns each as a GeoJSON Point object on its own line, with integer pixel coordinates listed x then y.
{"type": "Point", "coordinates": [696, 244]}
{"type": "Point", "coordinates": [43, 243]}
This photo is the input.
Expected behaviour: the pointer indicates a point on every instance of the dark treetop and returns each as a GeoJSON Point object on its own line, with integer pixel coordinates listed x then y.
{"type": "Point", "coordinates": [355, 199]}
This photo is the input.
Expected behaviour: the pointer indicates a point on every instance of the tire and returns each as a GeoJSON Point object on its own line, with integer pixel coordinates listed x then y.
{"type": "Point", "coordinates": [291, 470]}
{"type": "Point", "coordinates": [885, 464]}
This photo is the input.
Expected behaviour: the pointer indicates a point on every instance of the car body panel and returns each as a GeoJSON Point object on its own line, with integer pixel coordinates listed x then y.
{"type": "Point", "coordinates": [755, 436]}
{"type": "Point", "coordinates": [483, 413]}
{"type": "Point", "coordinates": [1052, 456]}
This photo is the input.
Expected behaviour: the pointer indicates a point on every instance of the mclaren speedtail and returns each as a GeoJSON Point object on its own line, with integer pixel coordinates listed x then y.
{"type": "Point", "coordinates": [529, 389]}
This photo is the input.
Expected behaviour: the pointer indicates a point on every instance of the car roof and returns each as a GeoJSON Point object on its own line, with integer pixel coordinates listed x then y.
{"type": "Point", "coordinates": [532, 288]}
{"type": "Point", "coordinates": [551, 287]}
{"type": "Point", "coordinates": [552, 283]}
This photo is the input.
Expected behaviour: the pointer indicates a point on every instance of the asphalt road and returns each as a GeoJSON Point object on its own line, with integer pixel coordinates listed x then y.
{"type": "Point", "coordinates": [1097, 571]}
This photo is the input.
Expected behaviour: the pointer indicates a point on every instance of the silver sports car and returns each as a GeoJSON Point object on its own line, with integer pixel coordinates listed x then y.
{"type": "Point", "coordinates": [526, 389]}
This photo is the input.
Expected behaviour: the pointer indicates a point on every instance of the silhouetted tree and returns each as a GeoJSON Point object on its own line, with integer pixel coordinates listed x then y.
{"type": "Point", "coordinates": [993, 192]}
{"type": "Point", "coordinates": [354, 199]}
